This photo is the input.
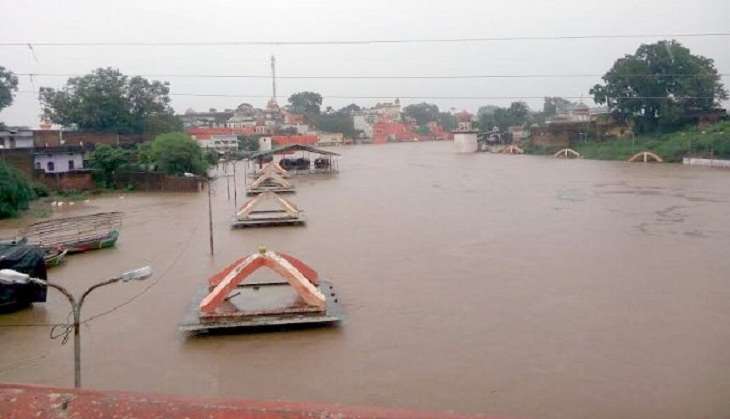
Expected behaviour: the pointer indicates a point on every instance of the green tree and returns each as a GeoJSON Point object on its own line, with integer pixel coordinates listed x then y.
{"type": "Point", "coordinates": [8, 85]}
{"type": "Point", "coordinates": [307, 103]}
{"type": "Point", "coordinates": [161, 123]}
{"type": "Point", "coordinates": [555, 105]}
{"type": "Point", "coordinates": [107, 161]}
{"type": "Point", "coordinates": [422, 113]}
{"type": "Point", "coordinates": [15, 191]}
{"type": "Point", "coordinates": [350, 109]}
{"type": "Point", "coordinates": [493, 116]}
{"type": "Point", "coordinates": [660, 86]}
{"type": "Point", "coordinates": [211, 157]}
{"type": "Point", "coordinates": [176, 153]}
{"type": "Point", "coordinates": [447, 121]}
{"type": "Point", "coordinates": [248, 143]}
{"type": "Point", "coordinates": [107, 100]}
{"type": "Point", "coordinates": [335, 122]}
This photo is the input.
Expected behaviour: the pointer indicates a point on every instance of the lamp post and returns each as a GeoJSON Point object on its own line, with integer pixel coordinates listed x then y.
{"type": "Point", "coordinates": [9, 276]}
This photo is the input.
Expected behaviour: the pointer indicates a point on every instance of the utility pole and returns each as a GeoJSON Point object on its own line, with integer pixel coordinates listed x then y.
{"type": "Point", "coordinates": [9, 276]}
{"type": "Point", "coordinates": [228, 180]}
{"type": "Point", "coordinates": [210, 218]}
{"type": "Point", "coordinates": [235, 187]}
{"type": "Point", "coordinates": [273, 77]}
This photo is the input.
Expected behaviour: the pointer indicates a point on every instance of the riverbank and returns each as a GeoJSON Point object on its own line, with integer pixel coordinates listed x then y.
{"type": "Point", "coordinates": [711, 141]}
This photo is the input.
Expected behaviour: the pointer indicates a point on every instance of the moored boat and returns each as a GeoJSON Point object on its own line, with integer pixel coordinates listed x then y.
{"type": "Point", "coordinates": [76, 234]}
{"type": "Point", "coordinates": [54, 256]}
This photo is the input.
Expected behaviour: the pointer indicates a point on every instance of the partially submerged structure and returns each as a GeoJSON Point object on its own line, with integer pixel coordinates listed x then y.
{"type": "Point", "coordinates": [511, 149]}
{"type": "Point", "coordinates": [645, 157]}
{"type": "Point", "coordinates": [249, 216]}
{"type": "Point", "coordinates": [272, 167]}
{"type": "Point", "coordinates": [269, 182]}
{"type": "Point", "coordinates": [465, 137]}
{"type": "Point", "coordinates": [75, 234]}
{"type": "Point", "coordinates": [299, 159]}
{"type": "Point", "coordinates": [567, 153]}
{"type": "Point", "coordinates": [227, 302]}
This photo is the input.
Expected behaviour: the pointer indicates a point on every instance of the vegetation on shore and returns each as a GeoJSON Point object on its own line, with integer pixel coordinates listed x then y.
{"type": "Point", "coordinates": [16, 192]}
{"type": "Point", "coordinates": [710, 142]}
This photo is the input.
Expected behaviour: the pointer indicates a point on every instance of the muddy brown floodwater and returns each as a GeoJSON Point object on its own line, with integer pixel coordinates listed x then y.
{"type": "Point", "coordinates": [508, 285]}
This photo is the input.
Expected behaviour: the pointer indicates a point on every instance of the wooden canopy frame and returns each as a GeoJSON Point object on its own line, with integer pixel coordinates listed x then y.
{"type": "Point", "coordinates": [272, 167]}
{"type": "Point", "coordinates": [512, 149]}
{"type": "Point", "coordinates": [270, 179]}
{"type": "Point", "coordinates": [245, 212]}
{"type": "Point", "coordinates": [567, 153]}
{"type": "Point", "coordinates": [299, 275]}
{"type": "Point", "coordinates": [645, 157]}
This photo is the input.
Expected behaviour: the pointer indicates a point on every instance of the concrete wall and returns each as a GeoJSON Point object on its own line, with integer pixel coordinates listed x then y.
{"type": "Point", "coordinates": [76, 181]}
{"type": "Point", "coordinates": [21, 159]}
{"type": "Point", "coordinates": [158, 182]}
{"type": "Point", "coordinates": [692, 161]}
{"type": "Point", "coordinates": [465, 142]}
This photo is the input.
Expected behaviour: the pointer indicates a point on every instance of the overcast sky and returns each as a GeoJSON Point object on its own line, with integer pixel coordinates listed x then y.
{"type": "Point", "coordinates": [197, 21]}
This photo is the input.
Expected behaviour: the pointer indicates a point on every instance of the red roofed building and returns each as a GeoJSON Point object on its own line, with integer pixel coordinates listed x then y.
{"type": "Point", "coordinates": [294, 139]}
{"type": "Point", "coordinates": [205, 133]}
{"type": "Point", "coordinates": [386, 131]}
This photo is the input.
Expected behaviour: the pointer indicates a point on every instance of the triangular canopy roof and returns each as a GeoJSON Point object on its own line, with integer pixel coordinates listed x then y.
{"type": "Point", "coordinates": [269, 179]}
{"type": "Point", "coordinates": [272, 167]}
{"type": "Point", "coordinates": [300, 276]}
{"type": "Point", "coordinates": [248, 207]}
{"type": "Point", "coordinates": [292, 148]}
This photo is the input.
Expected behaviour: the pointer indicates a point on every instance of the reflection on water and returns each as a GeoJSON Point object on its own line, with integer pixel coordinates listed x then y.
{"type": "Point", "coordinates": [511, 285]}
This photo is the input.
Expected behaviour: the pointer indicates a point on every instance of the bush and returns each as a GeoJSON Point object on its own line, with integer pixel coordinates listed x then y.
{"type": "Point", "coordinates": [107, 160]}
{"type": "Point", "coordinates": [176, 153]}
{"type": "Point", "coordinates": [15, 191]}
{"type": "Point", "coordinates": [40, 190]}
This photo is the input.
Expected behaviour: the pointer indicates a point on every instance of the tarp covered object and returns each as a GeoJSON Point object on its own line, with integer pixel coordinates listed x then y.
{"type": "Point", "coordinates": [28, 260]}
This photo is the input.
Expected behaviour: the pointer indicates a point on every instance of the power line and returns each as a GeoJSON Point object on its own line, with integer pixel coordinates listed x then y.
{"type": "Point", "coordinates": [25, 44]}
{"type": "Point", "coordinates": [384, 77]}
{"type": "Point", "coordinates": [242, 96]}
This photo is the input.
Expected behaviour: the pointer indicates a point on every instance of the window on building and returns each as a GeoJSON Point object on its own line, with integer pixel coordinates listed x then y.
{"type": "Point", "coordinates": [50, 166]}
{"type": "Point", "coordinates": [38, 165]}
{"type": "Point", "coordinates": [70, 165]}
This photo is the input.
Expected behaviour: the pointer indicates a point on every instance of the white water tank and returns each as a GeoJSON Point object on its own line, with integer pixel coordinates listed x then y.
{"type": "Point", "coordinates": [466, 142]}
{"type": "Point", "coordinates": [264, 143]}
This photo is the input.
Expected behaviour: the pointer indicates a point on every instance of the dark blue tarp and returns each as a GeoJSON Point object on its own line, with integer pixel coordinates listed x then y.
{"type": "Point", "coordinates": [28, 260]}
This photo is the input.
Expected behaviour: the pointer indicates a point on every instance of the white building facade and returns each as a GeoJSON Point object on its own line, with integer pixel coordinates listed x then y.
{"type": "Point", "coordinates": [58, 161]}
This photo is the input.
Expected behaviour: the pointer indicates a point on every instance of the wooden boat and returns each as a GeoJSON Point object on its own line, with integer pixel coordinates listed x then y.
{"type": "Point", "coordinates": [76, 234]}
{"type": "Point", "coordinates": [54, 256]}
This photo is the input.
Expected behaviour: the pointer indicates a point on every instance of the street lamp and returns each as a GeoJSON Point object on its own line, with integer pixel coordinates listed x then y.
{"type": "Point", "coordinates": [10, 277]}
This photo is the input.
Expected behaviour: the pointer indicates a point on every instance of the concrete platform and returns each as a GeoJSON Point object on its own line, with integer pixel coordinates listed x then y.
{"type": "Point", "coordinates": [268, 218]}
{"type": "Point", "coordinates": [260, 305]}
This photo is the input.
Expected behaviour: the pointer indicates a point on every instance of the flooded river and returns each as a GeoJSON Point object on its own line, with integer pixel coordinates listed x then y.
{"type": "Point", "coordinates": [508, 285]}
